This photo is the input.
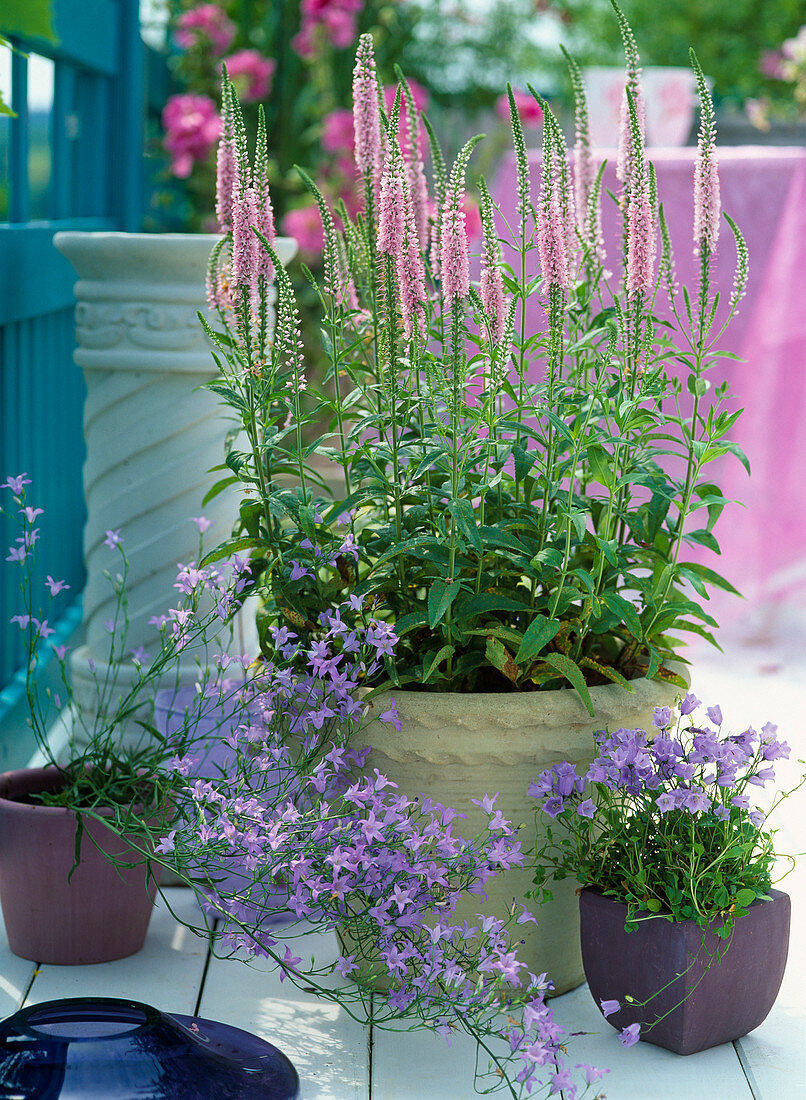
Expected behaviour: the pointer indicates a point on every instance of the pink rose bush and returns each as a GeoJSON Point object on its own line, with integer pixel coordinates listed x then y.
{"type": "Point", "coordinates": [192, 128]}
{"type": "Point", "coordinates": [204, 25]}
{"type": "Point", "coordinates": [251, 73]}
{"type": "Point", "coordinates": [335, 21]}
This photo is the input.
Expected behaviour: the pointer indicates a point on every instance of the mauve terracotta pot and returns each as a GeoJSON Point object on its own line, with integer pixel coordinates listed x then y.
{"type": "Point", "coordinates": [707, 1005]}
{"type": "Point", "coordinates": [101, 914]}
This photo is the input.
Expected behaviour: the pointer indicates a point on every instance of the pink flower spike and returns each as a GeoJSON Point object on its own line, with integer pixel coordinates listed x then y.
{"type": "Point", "coordinates": [454, 258]}
{"type": "Point", "coordinates": [392, 209]}
{"type": "Point", "coordinates": [17, 553]}
{"type": "Point", "coordinates": [226, 166]}
{"type": "Point", "coordinates": [31, 513]}
{"type": "Point", "coordinates": [640, 239]}
{"type": "Point", "coordinates": [60, 651]}
{"type": "Point", "coordinates": [366, 111]}
{"type": "Point", "coordinates": [55, 586]}
{"type": "Point", "coordinates": [21, 620]}
{"type": "Point", "coordinates": [245, 245]}
{"type": "Point", "coordinates": [113, 539]}
{"type": "Point", "coordinates": [201, 522]}
{"type": "Point", "coordinates": [626, 154]}
{"type": "Point", "coordinates": [552, 242]}
{"type": "Point", "coordinates": [707, 204]}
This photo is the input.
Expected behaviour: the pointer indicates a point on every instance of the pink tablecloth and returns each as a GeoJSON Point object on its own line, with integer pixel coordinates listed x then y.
{"type": "Point", "coordinates": [764, 190]}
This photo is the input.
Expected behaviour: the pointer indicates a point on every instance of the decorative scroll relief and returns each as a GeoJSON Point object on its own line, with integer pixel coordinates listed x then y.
{"type": "Point", "coordinates": [120, 324]}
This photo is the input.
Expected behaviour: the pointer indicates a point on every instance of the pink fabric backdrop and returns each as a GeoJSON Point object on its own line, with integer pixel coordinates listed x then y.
{"type": "Point", "coordinates": [764, 190]}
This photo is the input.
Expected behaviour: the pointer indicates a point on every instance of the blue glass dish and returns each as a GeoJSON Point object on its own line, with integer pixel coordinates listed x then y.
{"type": "Point", "coordinates": [99, 1048]}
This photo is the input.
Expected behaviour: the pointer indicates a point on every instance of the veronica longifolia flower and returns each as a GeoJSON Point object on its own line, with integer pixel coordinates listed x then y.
{"type": "Point", "coordinates": [226, 161]}
{"type": "Point", "coordinates": [454, 258]}
{"type": "Point", "coordinates": [398, 238]}
{"type": "Point", "coordinates": [492, 279]}
{"type": "Point", "coordinates": [366, 111]}
{"type": "Point", "coordinates": [246, 248]}
{"type": "Point", "coordinates": [554, 219]}
{"type": "Point", "coordinates": [706, 174]}
{"type": "Point", "coordinates": [640, 217]}
{"type": "Point", "coordinates": [415, 171]}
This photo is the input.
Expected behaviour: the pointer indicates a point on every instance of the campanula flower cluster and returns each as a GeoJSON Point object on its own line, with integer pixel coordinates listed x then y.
{"type": "Point", "coordinates": [665, 819]}
{"type": "Point", "coordinates": [318, 836]}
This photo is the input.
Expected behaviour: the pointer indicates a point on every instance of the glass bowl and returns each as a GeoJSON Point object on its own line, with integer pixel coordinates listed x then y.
{"type": "Point", "coordinates": [96, 1048]}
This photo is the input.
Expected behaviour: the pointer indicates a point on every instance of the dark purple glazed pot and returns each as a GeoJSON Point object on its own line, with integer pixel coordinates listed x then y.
{"type": "Point", "coordinates": [703, 1005]}
{"type": "Point", "coordinates": [101, 914]}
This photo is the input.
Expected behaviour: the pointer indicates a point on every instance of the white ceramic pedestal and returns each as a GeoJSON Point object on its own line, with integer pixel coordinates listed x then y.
{"type": "Point", "coordinates": [152, 435]}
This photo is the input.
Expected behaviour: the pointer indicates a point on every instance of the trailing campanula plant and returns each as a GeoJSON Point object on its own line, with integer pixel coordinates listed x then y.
{"type": "Point", "coordinates": [664, 821]}
{"type": "Point", "coordinates": [105, 768]}
{"type": "Point", "coordinates": [515, 499]}
{"type": "Point", "coordinates": [315, 839]}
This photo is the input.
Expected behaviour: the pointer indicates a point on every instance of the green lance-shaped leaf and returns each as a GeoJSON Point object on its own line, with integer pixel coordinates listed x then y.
{"type": "Point", "coordinates": [538, 634]}
{"type": "Point", "coordinates": [625, 611]}
{"type": "Point", "coordinates": [436, 661]}
{"type": "Point", "coordinates": [440, 597]}
{"type": "Point", "coordinates": [463, 513]}
{"type": "Point", "coordinates": [573, 673]}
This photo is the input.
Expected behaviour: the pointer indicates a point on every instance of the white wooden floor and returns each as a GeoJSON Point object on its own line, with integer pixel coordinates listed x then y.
{"type": "Point", "coordinates": [338, 1060]}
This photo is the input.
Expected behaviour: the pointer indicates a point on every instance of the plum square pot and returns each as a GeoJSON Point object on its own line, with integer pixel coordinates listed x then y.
{"type": "Point", "coordinates": [704, 1000]}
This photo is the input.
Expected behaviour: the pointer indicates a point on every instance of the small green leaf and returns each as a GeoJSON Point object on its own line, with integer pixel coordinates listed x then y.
{"type": "Point", "coordinates": [625, 611]}
{"type": "Point", "coordinates": [600, 465]}
{"type": "Point", "coordinates": [538, 634]}
{"type": "Point", "coordinates": [462, 512]}
{"type": "Point", "coordinates": [231, 546]}
{"type": "Point", "coordinates": [437, 660]}
{"type": "Point", "coordinates": [440, 597]}
{"type": "Point", "coordinates": [572, 672]}
{"type": "Point", "coordinates": [745, 897]}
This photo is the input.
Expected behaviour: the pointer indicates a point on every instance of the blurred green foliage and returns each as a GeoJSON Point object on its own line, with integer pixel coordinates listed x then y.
{"type": "Point", "coordinates": [729, 36]}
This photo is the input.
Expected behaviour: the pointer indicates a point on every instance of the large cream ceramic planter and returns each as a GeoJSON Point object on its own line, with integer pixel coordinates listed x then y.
{"type": "Point", "coordinates": [152, 435]}
{"type": "Point", "coordinates": [455, 747]}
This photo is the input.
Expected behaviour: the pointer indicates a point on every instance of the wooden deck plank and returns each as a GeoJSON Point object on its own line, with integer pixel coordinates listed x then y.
{"type": "Point", "coordinates": [329, 1049]}
{"type": "Point", "coordinates": [16, 975]}
{"type": "Point", "coordinates": [645, 1071]}
{"type": "Point", "coordinates": [417, 1064]}
{"type": "Point", "coordinates": [166, 973]}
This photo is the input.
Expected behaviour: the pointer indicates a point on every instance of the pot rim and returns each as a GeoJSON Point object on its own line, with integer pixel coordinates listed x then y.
{"type": "Point", "coordinates": [587, 888]}
{"type": "Point", "coordinates": [12, 806]}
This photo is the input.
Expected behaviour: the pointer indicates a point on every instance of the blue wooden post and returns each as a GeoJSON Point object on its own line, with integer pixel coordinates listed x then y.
{"type": "Point", "coordinates": [96, 138]}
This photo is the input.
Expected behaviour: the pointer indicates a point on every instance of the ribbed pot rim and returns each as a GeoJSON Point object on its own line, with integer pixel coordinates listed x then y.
{"type": "Point", "coordinates": [564, 702]}
{"type": "Point", "coordinates": [159, 258]}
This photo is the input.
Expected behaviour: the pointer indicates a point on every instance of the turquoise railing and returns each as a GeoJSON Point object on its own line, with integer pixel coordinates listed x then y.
{"type": "Point", "coordinates": [93, 149]}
